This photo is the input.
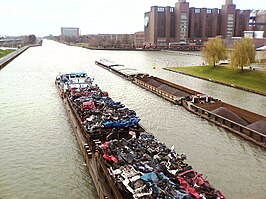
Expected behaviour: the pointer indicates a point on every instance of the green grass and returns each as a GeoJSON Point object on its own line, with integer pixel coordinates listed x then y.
{"type": "Point", "coordinates": [5, 52]}
{"type": "Point", "coordinates": [250, 79]}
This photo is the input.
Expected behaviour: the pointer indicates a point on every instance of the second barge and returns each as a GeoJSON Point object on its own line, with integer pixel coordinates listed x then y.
{"type": "Point", "coordinates": [248, 125]}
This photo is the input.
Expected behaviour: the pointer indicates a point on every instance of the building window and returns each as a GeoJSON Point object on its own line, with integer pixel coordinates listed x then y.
{"type": "Point", "coordinates": [184, 16]}
{"type": "Point", "coordinates": [160, 9]}
{"type": "Point", "coordinates": [209, 11]}
{"type": "Point", "coordinates": [171, 9]}
{"type": "Point", "coordinates": [197, 10]}
{"type": "Point", "coordinates": [230, 17]}
{"type": "Point", "coordinates": [230, 25]}
{"type": "Point", "coordinates": [183, 27]}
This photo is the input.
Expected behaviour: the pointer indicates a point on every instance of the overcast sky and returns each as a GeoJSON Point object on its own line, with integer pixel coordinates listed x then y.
{"type": "Point", "coordinates": [44, 17]}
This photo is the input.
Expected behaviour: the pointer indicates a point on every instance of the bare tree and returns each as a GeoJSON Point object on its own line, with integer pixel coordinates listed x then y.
{"type": "Point", "coordinates": [118, 43]}
{"type": "Point", "coordinates": [32, 39]}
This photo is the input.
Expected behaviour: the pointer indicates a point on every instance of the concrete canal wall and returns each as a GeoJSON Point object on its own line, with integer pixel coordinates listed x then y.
{"type": "Point", "coordinates": [8, 58]}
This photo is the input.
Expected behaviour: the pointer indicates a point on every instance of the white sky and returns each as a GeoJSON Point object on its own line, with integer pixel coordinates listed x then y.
{"type": "Point", "coordinates": [44, 17]}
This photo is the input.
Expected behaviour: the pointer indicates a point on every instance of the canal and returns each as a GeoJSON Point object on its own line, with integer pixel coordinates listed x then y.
{"type": "Point", "coordinates": [39, 154]}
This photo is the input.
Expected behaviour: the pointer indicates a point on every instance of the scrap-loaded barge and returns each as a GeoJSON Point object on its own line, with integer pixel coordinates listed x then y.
{"type": "Point", "coordinates": [246, 124]}
{"type": "Point", "coordinates": [124, 160]}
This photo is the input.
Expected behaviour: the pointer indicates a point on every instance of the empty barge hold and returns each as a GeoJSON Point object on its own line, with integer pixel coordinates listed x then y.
{"type": "Point", "coordinates": [246, 124]}
{"type": "Point", "coordinates": [124, 160]}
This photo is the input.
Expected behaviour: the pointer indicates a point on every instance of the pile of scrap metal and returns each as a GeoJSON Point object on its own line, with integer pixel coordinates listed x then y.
{"type": "Point", "coordinates": [143, 167]}
{"type": "Point", "coordinates": [99, 113]}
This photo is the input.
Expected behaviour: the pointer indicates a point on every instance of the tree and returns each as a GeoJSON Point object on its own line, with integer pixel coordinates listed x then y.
{"type": "Point", "coordinates": [118, 43]}
{"type": "Point", "coordinates": [83, 39]}
{"type": "Point", "coordinates": [126, 39]}
{"type": "Point", "coordinates": [214, 50]}
{"type": "Point", "coordinates": [243, 53]}
{"type": "Point", "coordinates": [32, 39]}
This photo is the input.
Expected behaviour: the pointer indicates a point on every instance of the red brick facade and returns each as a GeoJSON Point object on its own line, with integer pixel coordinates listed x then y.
{"type": "Point", "coordinates": [182, 24]}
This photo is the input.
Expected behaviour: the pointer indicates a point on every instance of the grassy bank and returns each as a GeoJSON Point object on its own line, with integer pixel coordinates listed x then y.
{"type": "Point", "coordinates": [248, 79]}
{"type": "Point", "coordinates": [5, 52]}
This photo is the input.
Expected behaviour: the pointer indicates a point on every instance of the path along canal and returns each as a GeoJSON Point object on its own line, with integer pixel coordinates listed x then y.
{"type": "Point", "coordinates": [39, 154]}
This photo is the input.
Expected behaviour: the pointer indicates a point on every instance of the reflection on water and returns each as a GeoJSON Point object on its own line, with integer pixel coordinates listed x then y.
{"type": "Point", "coordinates": [39, 154]}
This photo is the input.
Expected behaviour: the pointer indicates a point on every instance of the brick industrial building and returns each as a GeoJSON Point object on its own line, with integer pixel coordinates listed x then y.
{"type": "Point", "coordinates": [181, 25]}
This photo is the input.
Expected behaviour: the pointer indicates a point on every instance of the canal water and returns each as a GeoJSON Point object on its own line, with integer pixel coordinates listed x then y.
{"type": "Point", "coordinates": [39, 155]}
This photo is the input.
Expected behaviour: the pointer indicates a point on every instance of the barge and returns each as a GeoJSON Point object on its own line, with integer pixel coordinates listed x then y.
{"type": "Point", "coordinates": [248, 125]}
{"type": "Point", "coordinates": [119, 69]}
{"type": "Point", "coordinates": [123, 159]}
